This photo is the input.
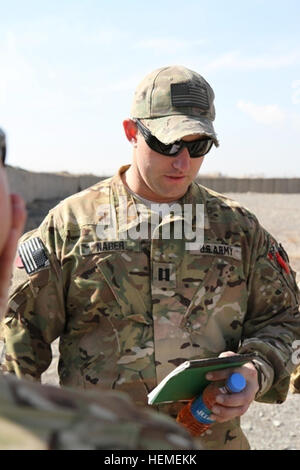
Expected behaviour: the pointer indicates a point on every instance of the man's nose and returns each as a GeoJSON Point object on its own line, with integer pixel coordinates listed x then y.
{"type": "Point", "coordinates": [182, 161]}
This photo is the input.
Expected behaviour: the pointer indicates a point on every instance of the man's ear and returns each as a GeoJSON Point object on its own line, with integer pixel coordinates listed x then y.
{"type": "Point", "coordinates": [130, 129]}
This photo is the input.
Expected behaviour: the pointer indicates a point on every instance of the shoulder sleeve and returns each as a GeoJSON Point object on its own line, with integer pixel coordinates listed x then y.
{"type": "Point", "coordinates": [36, 314]}
{"type": "Point", "coordinates": [272, 323]}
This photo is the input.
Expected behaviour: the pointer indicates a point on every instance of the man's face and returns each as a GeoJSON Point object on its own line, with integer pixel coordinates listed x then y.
{"type": "Point", "coordinates": [5, 208]}
{"type": "Point", "coordinates": [161, 178]}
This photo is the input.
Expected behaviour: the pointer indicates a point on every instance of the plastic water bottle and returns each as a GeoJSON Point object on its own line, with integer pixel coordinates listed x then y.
{"type": "Point", "coordinates": [195, 415]}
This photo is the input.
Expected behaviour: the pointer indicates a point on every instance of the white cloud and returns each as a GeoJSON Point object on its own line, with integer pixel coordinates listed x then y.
{"type": "Point", "coordinates": [267, 114]}
{"type": "Point", "coordinates": [236, 61]}
{"type": "Point", "coordinates": [270, 115]}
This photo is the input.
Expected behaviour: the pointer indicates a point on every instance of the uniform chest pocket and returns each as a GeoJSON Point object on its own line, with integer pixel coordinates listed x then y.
{"type": "Point", "coordinates": [221, 293]}
{"type": "Point", "coordinates": [127, 317]}
{"type": "Point", "coordinates": [103, 292]}
{"type": "Point", "coordinates": [128, 283]}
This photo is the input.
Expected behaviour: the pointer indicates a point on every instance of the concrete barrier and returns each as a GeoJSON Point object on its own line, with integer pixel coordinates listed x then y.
{"type": "Point", "coordinates": [34, 186]}
{"type": "Point", "coordinates": [254, 185]}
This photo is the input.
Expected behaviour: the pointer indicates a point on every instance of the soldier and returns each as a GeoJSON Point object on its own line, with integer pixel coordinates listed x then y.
{"type": "Point", "coordinates": [33, 416]}
{"type": "Point", "coordinates": [131, 294]}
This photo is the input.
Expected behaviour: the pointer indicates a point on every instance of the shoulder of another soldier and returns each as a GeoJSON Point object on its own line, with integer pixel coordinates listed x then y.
{"type": "Point", "coordinates": [104, 419]}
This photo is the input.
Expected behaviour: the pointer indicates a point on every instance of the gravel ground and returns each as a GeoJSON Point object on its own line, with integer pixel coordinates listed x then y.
{"type": "Point", "coordinates": [280, 215]}
{"type": "Point", "coordinates": [268, 427]}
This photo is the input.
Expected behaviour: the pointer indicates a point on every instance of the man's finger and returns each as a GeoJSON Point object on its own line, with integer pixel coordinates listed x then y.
{"type": "Point", "coordinates": [222, 414]}
{"type": "Point", "coordinates": [233, 399]}
{"type": "Point", "coordinates": [221, 374]}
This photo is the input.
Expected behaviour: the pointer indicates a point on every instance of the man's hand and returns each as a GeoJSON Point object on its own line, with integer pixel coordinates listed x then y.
{"type": "Point", "coordinates": [8, 253]}
{"type": "Point", "coordinates": [230, 406]}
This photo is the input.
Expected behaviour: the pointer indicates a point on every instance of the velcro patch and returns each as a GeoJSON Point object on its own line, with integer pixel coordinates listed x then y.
{"type": "Point", "coordinates": [92, 248]}
{"type": "Point", "coordinates": [33, 255]}
{"type": "Point", "coordinates": [164, 275]}
{"type": "Point", "coordinates": [187, 94]}
{"type": "Point", "coordinates": [219, 250]}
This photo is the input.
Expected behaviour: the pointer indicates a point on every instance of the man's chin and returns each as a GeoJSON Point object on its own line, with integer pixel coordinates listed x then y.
{"type": "Point", "coordinates": [174, 188]}
{"type": "Point", "coordinates": [169, 196]}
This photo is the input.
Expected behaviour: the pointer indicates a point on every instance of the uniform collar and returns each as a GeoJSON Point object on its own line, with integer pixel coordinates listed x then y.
{"type": "Point", "coordinates": [127, 212]}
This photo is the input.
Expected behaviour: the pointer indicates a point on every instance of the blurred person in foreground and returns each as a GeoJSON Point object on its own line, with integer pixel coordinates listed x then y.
{"type": "Point", "coordinates": [34, 416]}
{"type": "Point", "coordinates": [130, 303]}
{"type": "Point", "coordinates": [12, 219]}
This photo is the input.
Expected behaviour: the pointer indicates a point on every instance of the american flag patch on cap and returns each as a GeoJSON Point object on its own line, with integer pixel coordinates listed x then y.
{"type": "Point", "coordinates": [188, 94]}
{"type": "Point", "coordinates": [33, 254]}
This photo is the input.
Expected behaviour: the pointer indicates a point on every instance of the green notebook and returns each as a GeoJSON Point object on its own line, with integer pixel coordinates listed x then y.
{"type": "Point", "coordinates": [188, 379]}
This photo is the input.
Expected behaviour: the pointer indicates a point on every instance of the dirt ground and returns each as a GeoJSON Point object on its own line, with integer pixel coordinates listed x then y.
{"type": "Point", "coordinates": [266, 426]}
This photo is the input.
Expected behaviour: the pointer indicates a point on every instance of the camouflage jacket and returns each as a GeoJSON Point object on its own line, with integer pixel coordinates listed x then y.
{"type": "Point", "coordinates": [128, 309]}
{"type": "Point", "coordinates": [295, 381]}
{"type": "Point", "coordinates": [295, 377]}
{"type": "Point", "coordinates": [34, 416]}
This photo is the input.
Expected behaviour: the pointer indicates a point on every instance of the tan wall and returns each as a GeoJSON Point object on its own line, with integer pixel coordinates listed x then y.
{"type": "Point", "coordinates": [56, 186]}
{"type": "Point", "coordinates": [254, 185]}
{"type": "Point", "coordinates": [33, 186]}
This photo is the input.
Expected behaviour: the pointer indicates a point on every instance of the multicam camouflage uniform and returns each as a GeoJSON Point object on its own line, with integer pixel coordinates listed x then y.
{"type": "Point", "coordinates": [33, 416]}
{"type": "Point", "coordinates": [295, 381]}
{"type": "Point", "coordinates": [128, 311]}
{"type": "Point", "coordinates": [295, 377]}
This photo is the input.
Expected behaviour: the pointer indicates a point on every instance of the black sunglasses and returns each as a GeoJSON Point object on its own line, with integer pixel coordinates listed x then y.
{"type": "Point", "coordinates": [197, 148]}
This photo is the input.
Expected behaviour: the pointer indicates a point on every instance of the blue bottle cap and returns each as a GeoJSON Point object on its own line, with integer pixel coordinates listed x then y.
{"type": "Point", "coordinates": [236, 382]}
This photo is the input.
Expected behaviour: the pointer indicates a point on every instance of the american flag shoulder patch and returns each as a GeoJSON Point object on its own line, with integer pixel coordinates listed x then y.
{"type": "Point", "coordinates": [33, 255]}
{"type": "Point", "coordinates": [188, 94]}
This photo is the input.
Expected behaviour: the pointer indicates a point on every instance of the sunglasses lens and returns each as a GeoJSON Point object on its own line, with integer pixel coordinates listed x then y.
{"type": "Point", "coordinates": [196, 149]}
{"type": "Point", "coordinates": [169, 150]}
{"type": "Point", "coordinates": [155, 144]}
{"type": "Point", "coordinates": [200, 148]}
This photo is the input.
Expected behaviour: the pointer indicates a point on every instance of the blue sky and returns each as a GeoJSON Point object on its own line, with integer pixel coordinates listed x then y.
{"type": "Point", "coordinates": [68, 70]}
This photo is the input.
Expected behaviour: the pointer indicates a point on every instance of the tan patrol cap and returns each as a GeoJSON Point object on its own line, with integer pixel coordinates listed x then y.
{"type": "Point", "coordinates": [173, 102]}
